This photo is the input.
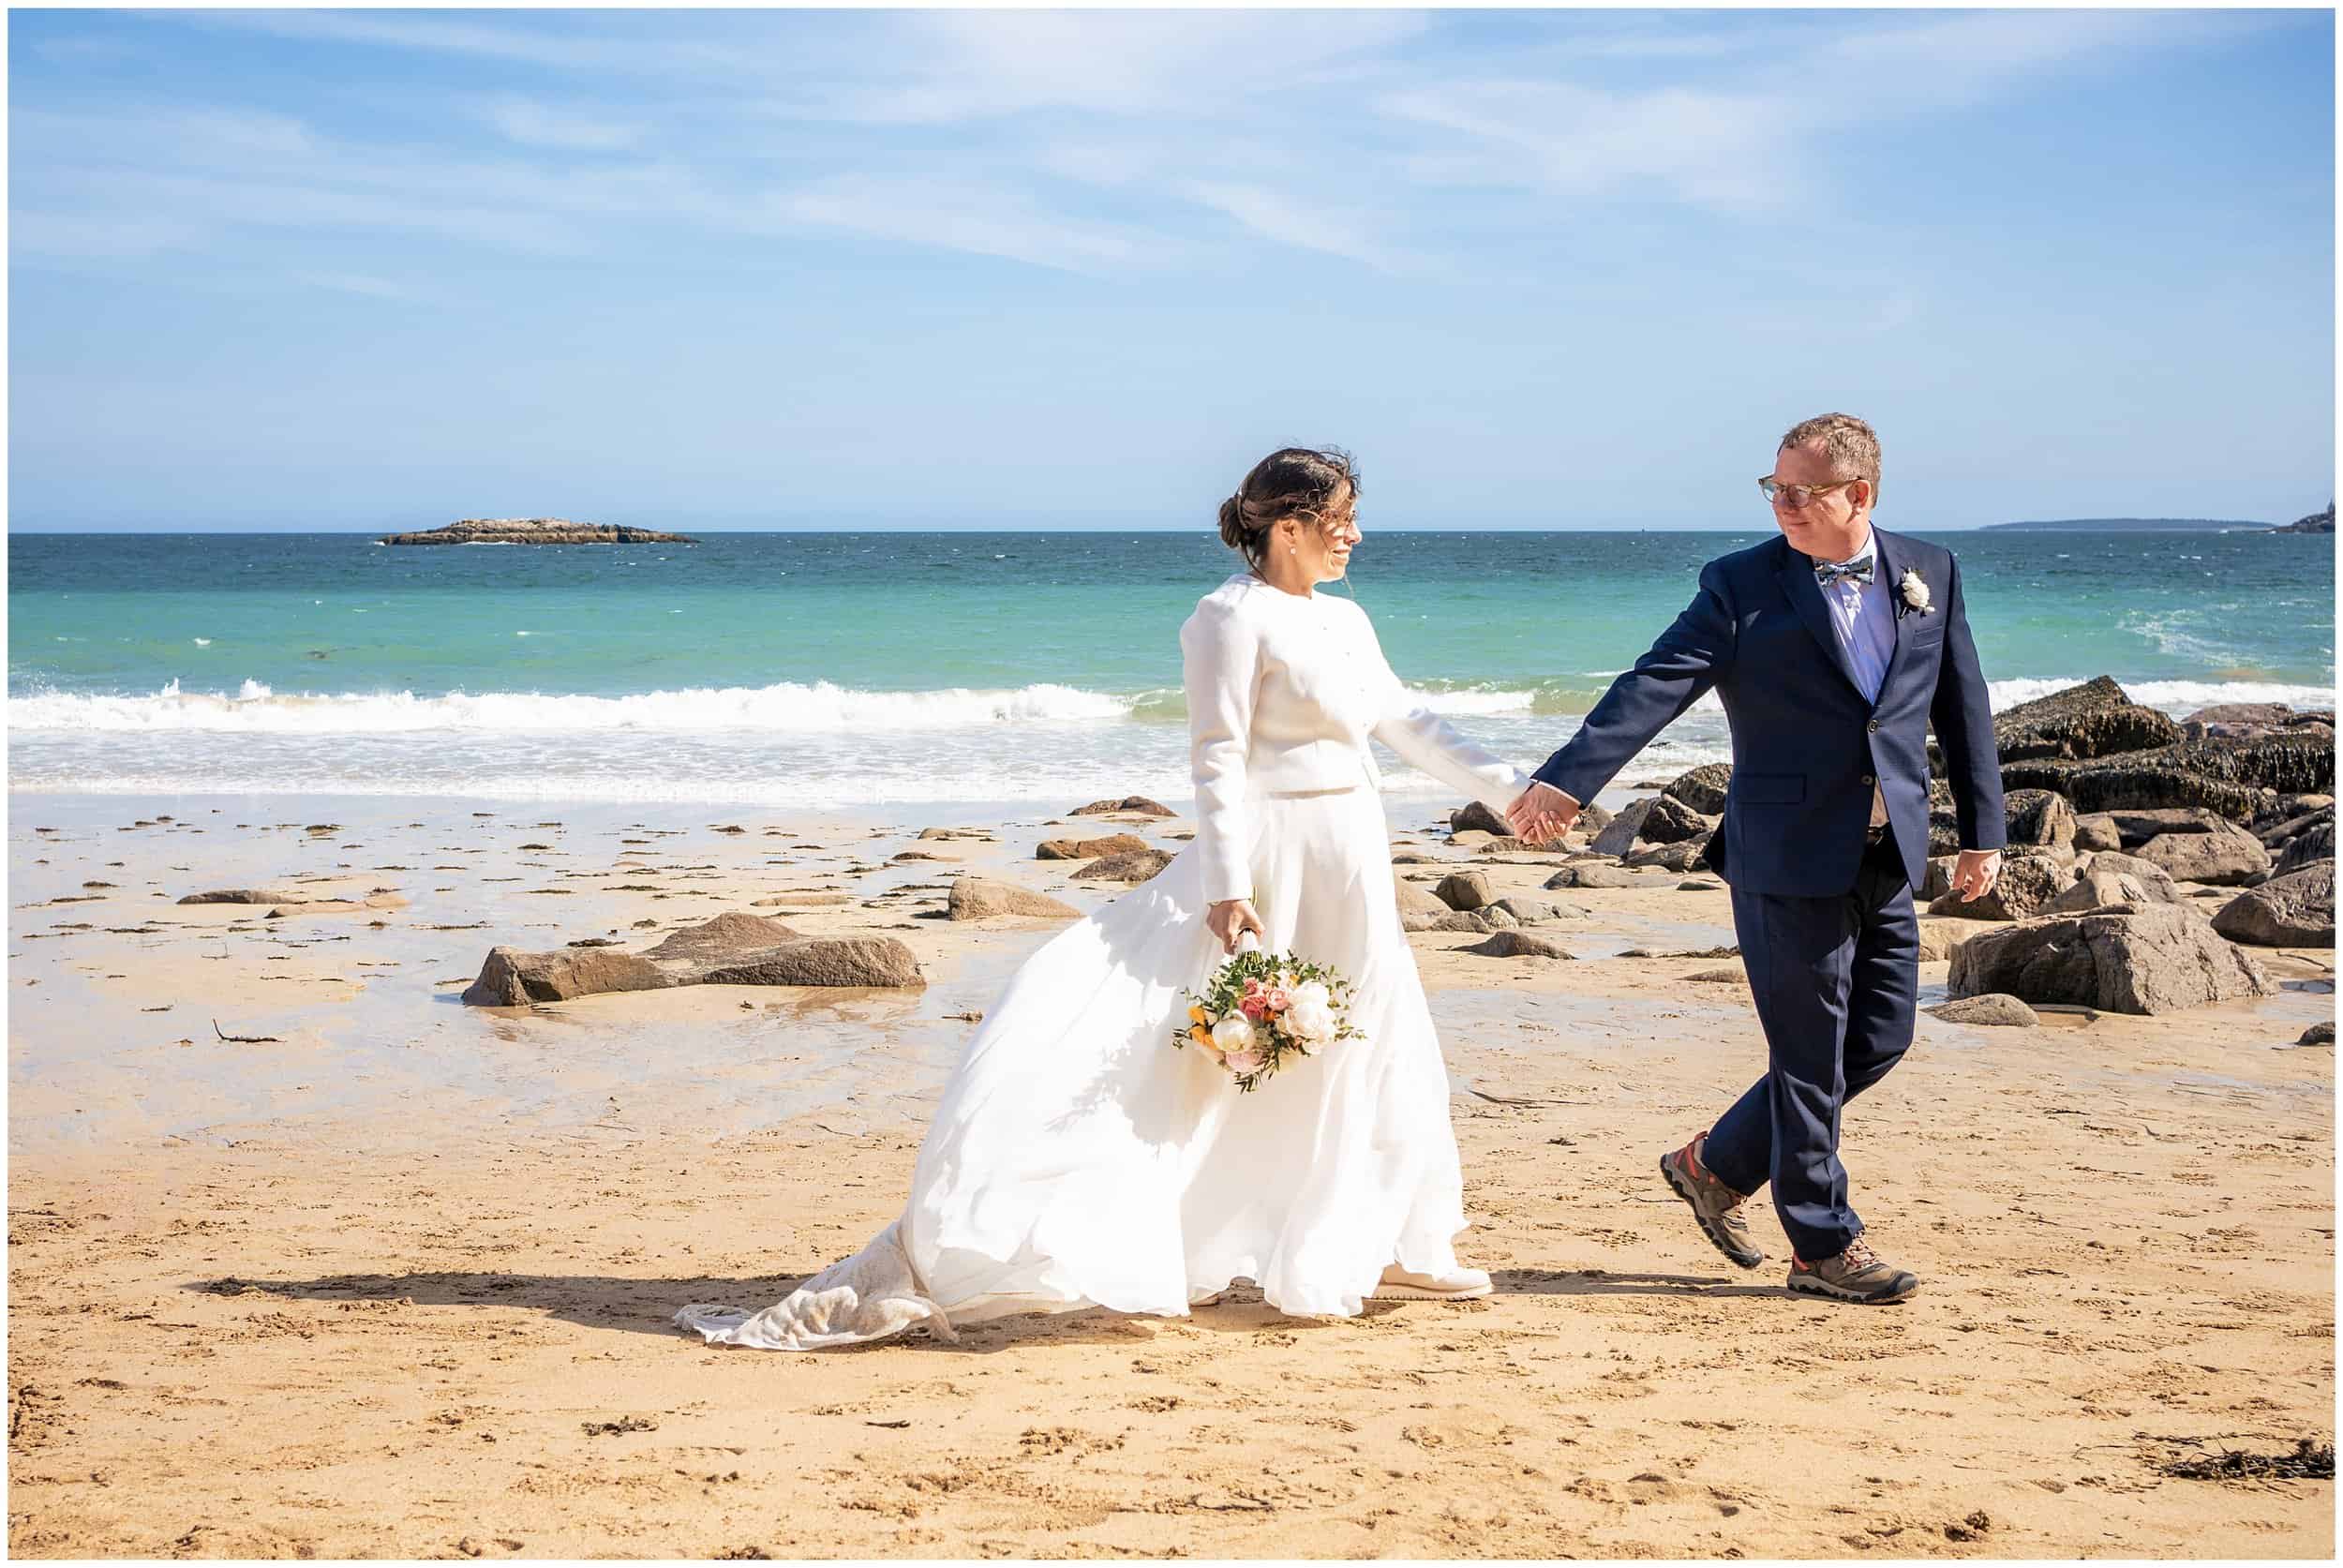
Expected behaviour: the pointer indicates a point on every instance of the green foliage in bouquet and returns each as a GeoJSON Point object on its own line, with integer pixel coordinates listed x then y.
{"type": "Point", "coordinates": [1296, 1007]}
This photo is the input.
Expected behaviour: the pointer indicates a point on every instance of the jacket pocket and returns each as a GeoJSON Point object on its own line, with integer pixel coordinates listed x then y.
{"type": "Point", "coordinates": [1768, 789]}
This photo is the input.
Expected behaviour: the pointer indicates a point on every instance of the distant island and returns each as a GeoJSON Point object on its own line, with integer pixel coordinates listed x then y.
{"type": "Point", "coordinates": [536, 530]}
{"type": "Point", "coordinates": [2318, 522]}
{"type": "Point", "coordinates": [2127, 525]}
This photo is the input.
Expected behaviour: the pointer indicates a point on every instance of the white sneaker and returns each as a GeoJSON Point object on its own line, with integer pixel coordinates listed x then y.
{"type": "Point", "coordinates": [1400, 1284]}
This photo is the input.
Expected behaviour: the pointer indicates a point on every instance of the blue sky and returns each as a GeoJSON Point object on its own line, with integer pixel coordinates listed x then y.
{"type": "Point", "coordinates": [349, 270]}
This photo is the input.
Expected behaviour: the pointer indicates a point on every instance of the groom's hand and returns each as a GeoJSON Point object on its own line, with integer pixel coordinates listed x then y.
{"type": "Point", "coordinates": [1542, 812]}
{"type": "Point", "coordinates": [1974, 873]}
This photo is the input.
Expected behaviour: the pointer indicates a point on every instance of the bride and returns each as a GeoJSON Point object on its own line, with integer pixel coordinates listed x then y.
{"type": "Point", "coordinates": [1076, 1159]}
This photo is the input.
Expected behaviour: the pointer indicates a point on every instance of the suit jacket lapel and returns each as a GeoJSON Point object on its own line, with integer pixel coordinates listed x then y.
{"type": "Point", "coordinates": [1890, 570]}
{"type": "Point", "coordinates": [1795, 574]}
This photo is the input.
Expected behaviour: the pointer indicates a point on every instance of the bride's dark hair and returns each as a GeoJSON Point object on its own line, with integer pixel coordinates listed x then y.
{"type": "Point", "coordinates": [1316, 485]}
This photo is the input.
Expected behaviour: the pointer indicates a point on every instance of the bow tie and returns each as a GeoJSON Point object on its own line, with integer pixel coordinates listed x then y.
{"type": "Point", "coordinates": [1827, 573]}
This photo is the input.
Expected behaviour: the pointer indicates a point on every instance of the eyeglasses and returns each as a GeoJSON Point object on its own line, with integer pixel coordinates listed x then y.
{"type": "Point", "coordinates": [1795, 495]}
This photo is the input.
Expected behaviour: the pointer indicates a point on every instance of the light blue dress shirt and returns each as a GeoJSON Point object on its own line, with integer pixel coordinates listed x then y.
{"type": "Point", "coordinates": [1865, 625]}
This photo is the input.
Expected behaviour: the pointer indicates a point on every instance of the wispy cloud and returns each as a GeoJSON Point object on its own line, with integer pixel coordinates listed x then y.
{"type": "Point", "coordinates": [534, 124]}
{"type": "Point", "coordinates": [973, 218]}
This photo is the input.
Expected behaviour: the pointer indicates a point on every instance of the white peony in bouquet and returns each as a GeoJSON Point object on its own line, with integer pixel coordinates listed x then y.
{"type": "Point", "coordinates": [1261, 1010]}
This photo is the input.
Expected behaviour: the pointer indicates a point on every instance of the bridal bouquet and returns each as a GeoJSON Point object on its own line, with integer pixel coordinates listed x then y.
{"type": "Point", "coordinates": [1260, 1010]}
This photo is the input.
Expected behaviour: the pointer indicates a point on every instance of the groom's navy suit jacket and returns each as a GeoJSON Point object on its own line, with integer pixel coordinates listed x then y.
{"type": "Point", "coordinates": [1807, 743]}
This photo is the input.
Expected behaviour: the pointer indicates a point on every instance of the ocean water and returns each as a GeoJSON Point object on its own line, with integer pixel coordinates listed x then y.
{"type": "Point", "coordinates": [844, 669]}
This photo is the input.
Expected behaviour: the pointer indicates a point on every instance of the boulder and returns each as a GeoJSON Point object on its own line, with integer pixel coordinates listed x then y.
{"type": "Point", "coordinates": [2296, 910]}
{"type": "Point", "coordinates": [1703, 788]}
{"type": "Point", "coordinates": [2111, 878]}
{"type": "Point", "coordinates": [2096, 830]}
{"type": "Point", "coordinates": [1619, 835]}
{"type": "Point", "coordinates": [2317, 1034]}
{"type": "Point", "coordinates": [1519, 944]}
{"type": "Point", "coordinates": [727, 938]}
{"type": "Point", "coordinates": [978, 898]}
{"type": "Point", "coordinates": [2306, 848]}
{"type": "Point", "coordinates": [1413, 899]}
{"type": "Point", "coordinates": [1136, 865]}
{"type": "Point", "coordinates": [2036, 817]}
{"type": "Point", "coordinates": [824, 961]}
{"type": "Point", "coordinates": [2152, 958]}
{"type": "Point", "coordinates": [1936, 881]}
{"type": "Point", "coordinates": [1991, 1010]}
{"type": "Point", "coordinates": [1593, 819]}
{"type": "Point", "coordinates": [1938, 938]}
{"type": "Point", "coordinates": [1593, 873]}
{"type": "Point", "coordinates": [1683, 855]}
{"type": "Point", "coordinates": [513, 978]}
{"type": "Point", "coordinates": [1530, 911]}
{"type": "Point", "coordinates": [1671, 821]}
{"type": "Point", "coordinates": [1089, 849]}
{"type": "Point", "coordinates": [2282, 826]}
{"type": "Point", "coordinates": [1448, 920]}
{"type": "Point", "coordinates": [1130, 805]}
{"type": "Point", "coordinates": [2228, 859]}
{"type": "Point", "coordinates": [1505, 844]}
{"type": "Point", "coordinates": [1475, 817]}
{"type": "Point", "coordinates": [1465, 889]}
{"type": "Point", "coordinates": [2027, 883]}
{"type": "Point", "coordinates": [730, 950]}
{"type": "Point", "coordinates": [2237, 778]}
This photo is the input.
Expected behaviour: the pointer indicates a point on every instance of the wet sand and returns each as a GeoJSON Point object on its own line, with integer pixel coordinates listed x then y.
{"type": "Point", "coordinates": [398, 1283]}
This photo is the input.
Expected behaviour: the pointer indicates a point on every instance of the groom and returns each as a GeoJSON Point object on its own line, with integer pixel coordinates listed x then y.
{"type": "Point", "coordinates": [1833, 649]}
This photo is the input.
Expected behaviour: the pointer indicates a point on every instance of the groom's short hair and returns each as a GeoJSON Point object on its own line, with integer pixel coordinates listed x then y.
{"type": "Point", "coordinates": [1852, 446]}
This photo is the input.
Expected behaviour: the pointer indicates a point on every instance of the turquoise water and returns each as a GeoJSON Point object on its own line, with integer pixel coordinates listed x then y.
{"type": "Point", "coordinates": [829, 669]}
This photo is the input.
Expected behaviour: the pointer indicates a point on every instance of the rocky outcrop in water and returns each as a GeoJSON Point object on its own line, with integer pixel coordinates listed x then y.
{"type": "Point", "coordinates": [536, 530]}
{"type": "Point", "coordinates": [2318, 522]}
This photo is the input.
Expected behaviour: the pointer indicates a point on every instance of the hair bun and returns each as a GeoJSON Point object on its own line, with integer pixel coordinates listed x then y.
{"type": "Point", "coordinates": [1233, 529]}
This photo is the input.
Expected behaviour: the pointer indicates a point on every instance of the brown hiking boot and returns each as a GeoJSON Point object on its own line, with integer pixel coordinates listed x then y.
{"type": "Point", "coordinates": [1857, 1274]}
{"type": "Point", "coordinates": [1717, 1207]}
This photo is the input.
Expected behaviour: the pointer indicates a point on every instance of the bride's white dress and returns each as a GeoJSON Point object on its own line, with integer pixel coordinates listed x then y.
{"type": "Point", "coordinates": [1076, 1159]}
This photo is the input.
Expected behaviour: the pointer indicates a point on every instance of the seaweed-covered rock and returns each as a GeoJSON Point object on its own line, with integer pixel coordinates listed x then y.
{"type": "Point", "coordinates": [1475, 817]}
{"type": "Point", "coordinates": [1702, 788]}
{"type": "Point", "coordinates": [2133, 958]}
{"type": "Point", "coordinates": [1130, 805]}
{"type": "Point", "coordinates": [2036, 817]}
{"type": "Point", "coordinates": [2094, 719]}
{"type": "Point", "coordinates": [2292, 911]}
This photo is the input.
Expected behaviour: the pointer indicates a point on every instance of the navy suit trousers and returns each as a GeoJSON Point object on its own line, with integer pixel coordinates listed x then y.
{"type": "Point", "coordinates": [1836, 982]}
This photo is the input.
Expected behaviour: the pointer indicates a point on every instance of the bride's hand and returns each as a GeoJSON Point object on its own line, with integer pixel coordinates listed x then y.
{"type": "Point", "coordinates": [1230, 917]}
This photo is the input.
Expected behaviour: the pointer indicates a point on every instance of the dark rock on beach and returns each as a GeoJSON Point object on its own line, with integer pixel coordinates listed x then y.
{"type": "Point", "coordinates": [2131, 958]}
{"type": "Point", "coordinates": [2094, 719]}
{"type": "Point", "coordinates": [1130, 805]}
{"type": "Point", "coordinates": [244, 895]}
{"type": "Point", "coordinates": [1593, 873]}
{"type": "Point", "coordinates": [2291, 911]}
{"type": "Point", "coordinates": [1089, 849]}
{"type": "Point", "coordinates": [536, 531]}
{"type": "Point", "coordinates": [1135, 865]}
{"type": "Point", "coordinates": [1519, 944]}
{"type": "Point", "coordinates": [1670, 820]}
{"type": "Point", "coordinates": [1475, 817]}
{"type": "Point", "coordinates": [1465, 889]}
{"type": "Point", "coordinates": [1703, 788]}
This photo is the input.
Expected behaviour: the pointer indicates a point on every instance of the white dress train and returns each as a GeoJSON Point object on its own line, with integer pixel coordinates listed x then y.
{"type": "Point", "coordinates": [1077, 1159]}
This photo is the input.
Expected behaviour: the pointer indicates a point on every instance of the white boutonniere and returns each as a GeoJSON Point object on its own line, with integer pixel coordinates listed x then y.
{"type": "Point", "coordinates": [1914, 592]}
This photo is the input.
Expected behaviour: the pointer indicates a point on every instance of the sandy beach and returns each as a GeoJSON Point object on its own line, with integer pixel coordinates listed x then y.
{"type": "Point", "coordinates": [397, 1280]}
